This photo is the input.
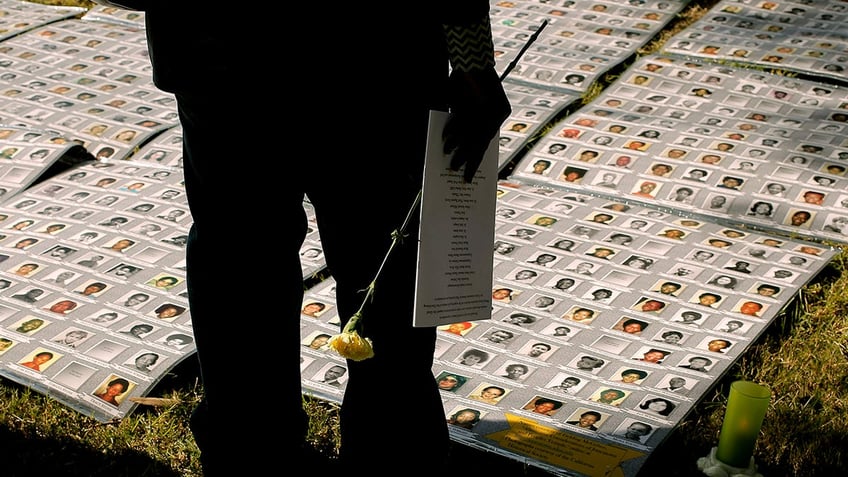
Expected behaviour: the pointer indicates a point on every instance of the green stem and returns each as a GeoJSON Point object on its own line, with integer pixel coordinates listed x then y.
{"type": "Point", "coordinates": [397, 235]}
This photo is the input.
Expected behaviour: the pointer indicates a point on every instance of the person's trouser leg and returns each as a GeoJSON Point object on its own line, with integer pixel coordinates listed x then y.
{"type": "Point", "coordinates": [392, 408]}
{"type": "Point", "coordinates": [245, 287]}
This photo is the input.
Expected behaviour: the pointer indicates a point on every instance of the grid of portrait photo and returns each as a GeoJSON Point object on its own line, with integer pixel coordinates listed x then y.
{"type": "Point", "coordinates": [609, 322]}
{"type": "Point", "coordinates": [722, 143]}
{"type": "Point", "coordinates": [86, 80]}
{"type": "Point", "coordinates": [801, 36]}
{"type": "Point", "coordinates": [92, 270]}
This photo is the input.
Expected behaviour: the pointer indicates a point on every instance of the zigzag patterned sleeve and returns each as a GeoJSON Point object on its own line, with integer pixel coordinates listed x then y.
{"type": "Point", "coordinates": [470, 46]}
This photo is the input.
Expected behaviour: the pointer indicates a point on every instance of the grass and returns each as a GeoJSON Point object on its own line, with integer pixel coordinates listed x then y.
{"type": "Point", "coordinates": [802, 357]}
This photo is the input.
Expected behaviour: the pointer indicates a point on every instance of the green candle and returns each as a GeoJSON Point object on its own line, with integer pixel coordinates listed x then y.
{"type": "Point", "coordinates": [746, 408]}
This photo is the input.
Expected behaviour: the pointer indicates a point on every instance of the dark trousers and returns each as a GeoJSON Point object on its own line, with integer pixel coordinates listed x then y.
{"type": "Point", "coordinates": [245, 189]}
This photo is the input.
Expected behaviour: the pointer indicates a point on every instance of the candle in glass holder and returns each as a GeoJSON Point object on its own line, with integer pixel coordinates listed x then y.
{"type": "Point", "coordinates": [746, 408]}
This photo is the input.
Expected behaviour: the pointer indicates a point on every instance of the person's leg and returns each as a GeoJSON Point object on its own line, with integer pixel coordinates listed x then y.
{"type": "Point", "coordinates": [391, 407]}
{"type": "Point", "coordinates": [245, 323]}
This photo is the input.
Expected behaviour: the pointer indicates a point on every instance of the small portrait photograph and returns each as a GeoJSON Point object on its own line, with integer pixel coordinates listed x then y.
{"type": "Point", "coordinates": [560, 331]}
{"type": "Point", "coordinates": [331, 374]}
{"type": "Point", "coordinates": [740, 266]}
{"type": "Point", "coordinates": [697, 363]}
{"type": "Point", "coordinates": [751, 308]}
{"type": "Point", "coordinates": [498, 336]}
{"type": "Point", "coordinates": [674, 233]}
{"type": "Point", "coordinates": [588, 363]}
{"type": "Point", "coordinates": [657, 406]}
{"type": "Point", "coordinates": [91, 288]}
{"type": "Point", "coordinates": [689, 317]}
{"type": "Point", "coordinates": [522, 233]}
{"type": "Point", "coordinates": [523, 275]}
{"type": "Point", "coordinates": [688, 223]}
{"type": "Point", "coordinates": [836, 224]}
{"type": "Point", "coordinates": [589, 156]}
{"type": "Point", "coordinates": [668, 287]}
{"type": "Point", "coordinates": [717, 203]}
{"type": "Point", "coordinates": [808, 249]}
{"type": "Point", "coordinates": [144, 361]}
{"type": "Point", "coordinates": [671, 336]}
{"type": "Point", "coordinates": [473, 357]}
{"type": "Point", "coordinates": [543, 405]}
{"type": "Point", "coordinates": [607, 179]}
{"type": "Point", "coordinates": [715, 344]}
{"type": "Point", "coordinates": [62, 306]}
{"type": "Point", "coordinates": [40, 359]}
{"type": "Point", "coordinates": [580, 314]}
{"type": "Point", "coordinates": [164, 281]}
{"type": "Point", "coordinates": [310, 253]}
{"type": "Point", "coordinates": [539, 166]}
{"type": "Point", "coordinates": [629, 375]}
{"type": "Point", "coordinates": [450, 381]}
{"type": "Point", "coordinates": [733, 325]}
{"type": "Point", "coordinates": [799, 218]}
{"type": "Point", "coordinates": [646, 189]}
{"type": "Point", "coordinates": [555, 148]}
{"type": "Point", "coordinates": [313, 308]}
{"type": "Point", "coordinates": [763, 289]}
{"type": "Point", "coordinates": [168, 312]}
{"type": "Point", "coordinates": [632, 326]}
{"type": "Point", "coordinates": [610, 344]}
{"type": "Point", "coordinates": [460, 328]}
{"type": "Point", "coordinates": [677, 384]}
{"type": "Point", "coordinates": [794, 260]}
{"type": "Point", "coordinates": [540, 350]}
{"type": "Point", "coordinates": [635, 431]}
{"type": "Point", "coordinates": [124, 271]}
{"type": "Point", "coordinates": [539, 302]}
{"type": "Point", "coordinates": [543, 259]}
{"type": "Point", "coordinates": [505, 294]}
{"type": "Point", "coordinates": [72, 337]}
{"type": "Point", "coordinates": [464, 417]}
{"type": "Point", "coordinates": [603, 295]}
{"type": "Point", "coordinates": [602, 252]}
{"type": "Point", "coordinates": [573, 174]}
{"type": "Point", "coordinates": [602, 218]}
{"type": "Point", "coordinates": [514, 370]}
{"type": "Point", "coordinates": [505, 248]}
{"type": "Point", "coordinates": [519, 319]}
{"type": "Point", "coordinates": [723, 280]}
{"type": "Point", "coordinates": [59, 252]}
{"type": "Point", "coordinates": [639, 262]}
{"type": "Point", "coordinates": [317, 340]}
{"type": "Point", "coordinates": [650, 354]}
{"type": "Point", "coordinates": [566, 383]}
{"type": "Point", "coordinates": [706, 298]}
{"type": "Point", "coordinates": [582, 231]}
{"type": "Point", "coordinates": [587, 419]}
{"type": "Point", "coordinates": [114, 389]}
{"type": "Point", "coordinates": [488, 393]}
{"type": "Point", "coordinates": [648, 304]}
{"type": "Point", "coordinates": [559, 208]}
{"type": "Point", "coordinates": [813, 197]}
{"type": "Point", "coordinates": [609, 396]}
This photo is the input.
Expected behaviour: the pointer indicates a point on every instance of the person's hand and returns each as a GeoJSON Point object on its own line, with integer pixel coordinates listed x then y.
{"type": "Point", "coordinates": [477, 107]}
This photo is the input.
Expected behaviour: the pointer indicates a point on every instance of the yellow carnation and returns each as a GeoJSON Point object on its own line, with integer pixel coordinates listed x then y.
{"type": "Point", "coordinates": [352, 346]}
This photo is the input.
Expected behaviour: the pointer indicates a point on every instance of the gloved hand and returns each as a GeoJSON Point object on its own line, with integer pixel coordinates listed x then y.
{"type": "Point", "coordinates": [477, 107]}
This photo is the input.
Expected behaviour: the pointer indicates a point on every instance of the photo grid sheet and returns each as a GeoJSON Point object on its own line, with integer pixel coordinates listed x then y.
{"type": "Point", "coordinates": [644, 241]}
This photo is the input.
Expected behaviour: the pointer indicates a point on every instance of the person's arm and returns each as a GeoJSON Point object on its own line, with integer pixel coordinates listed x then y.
{"type": "Point", "coordinates": [476, 99]}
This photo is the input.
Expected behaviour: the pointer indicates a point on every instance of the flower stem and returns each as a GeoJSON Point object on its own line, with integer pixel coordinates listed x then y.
{"type": "Point", "coordinates": [397, 236]}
